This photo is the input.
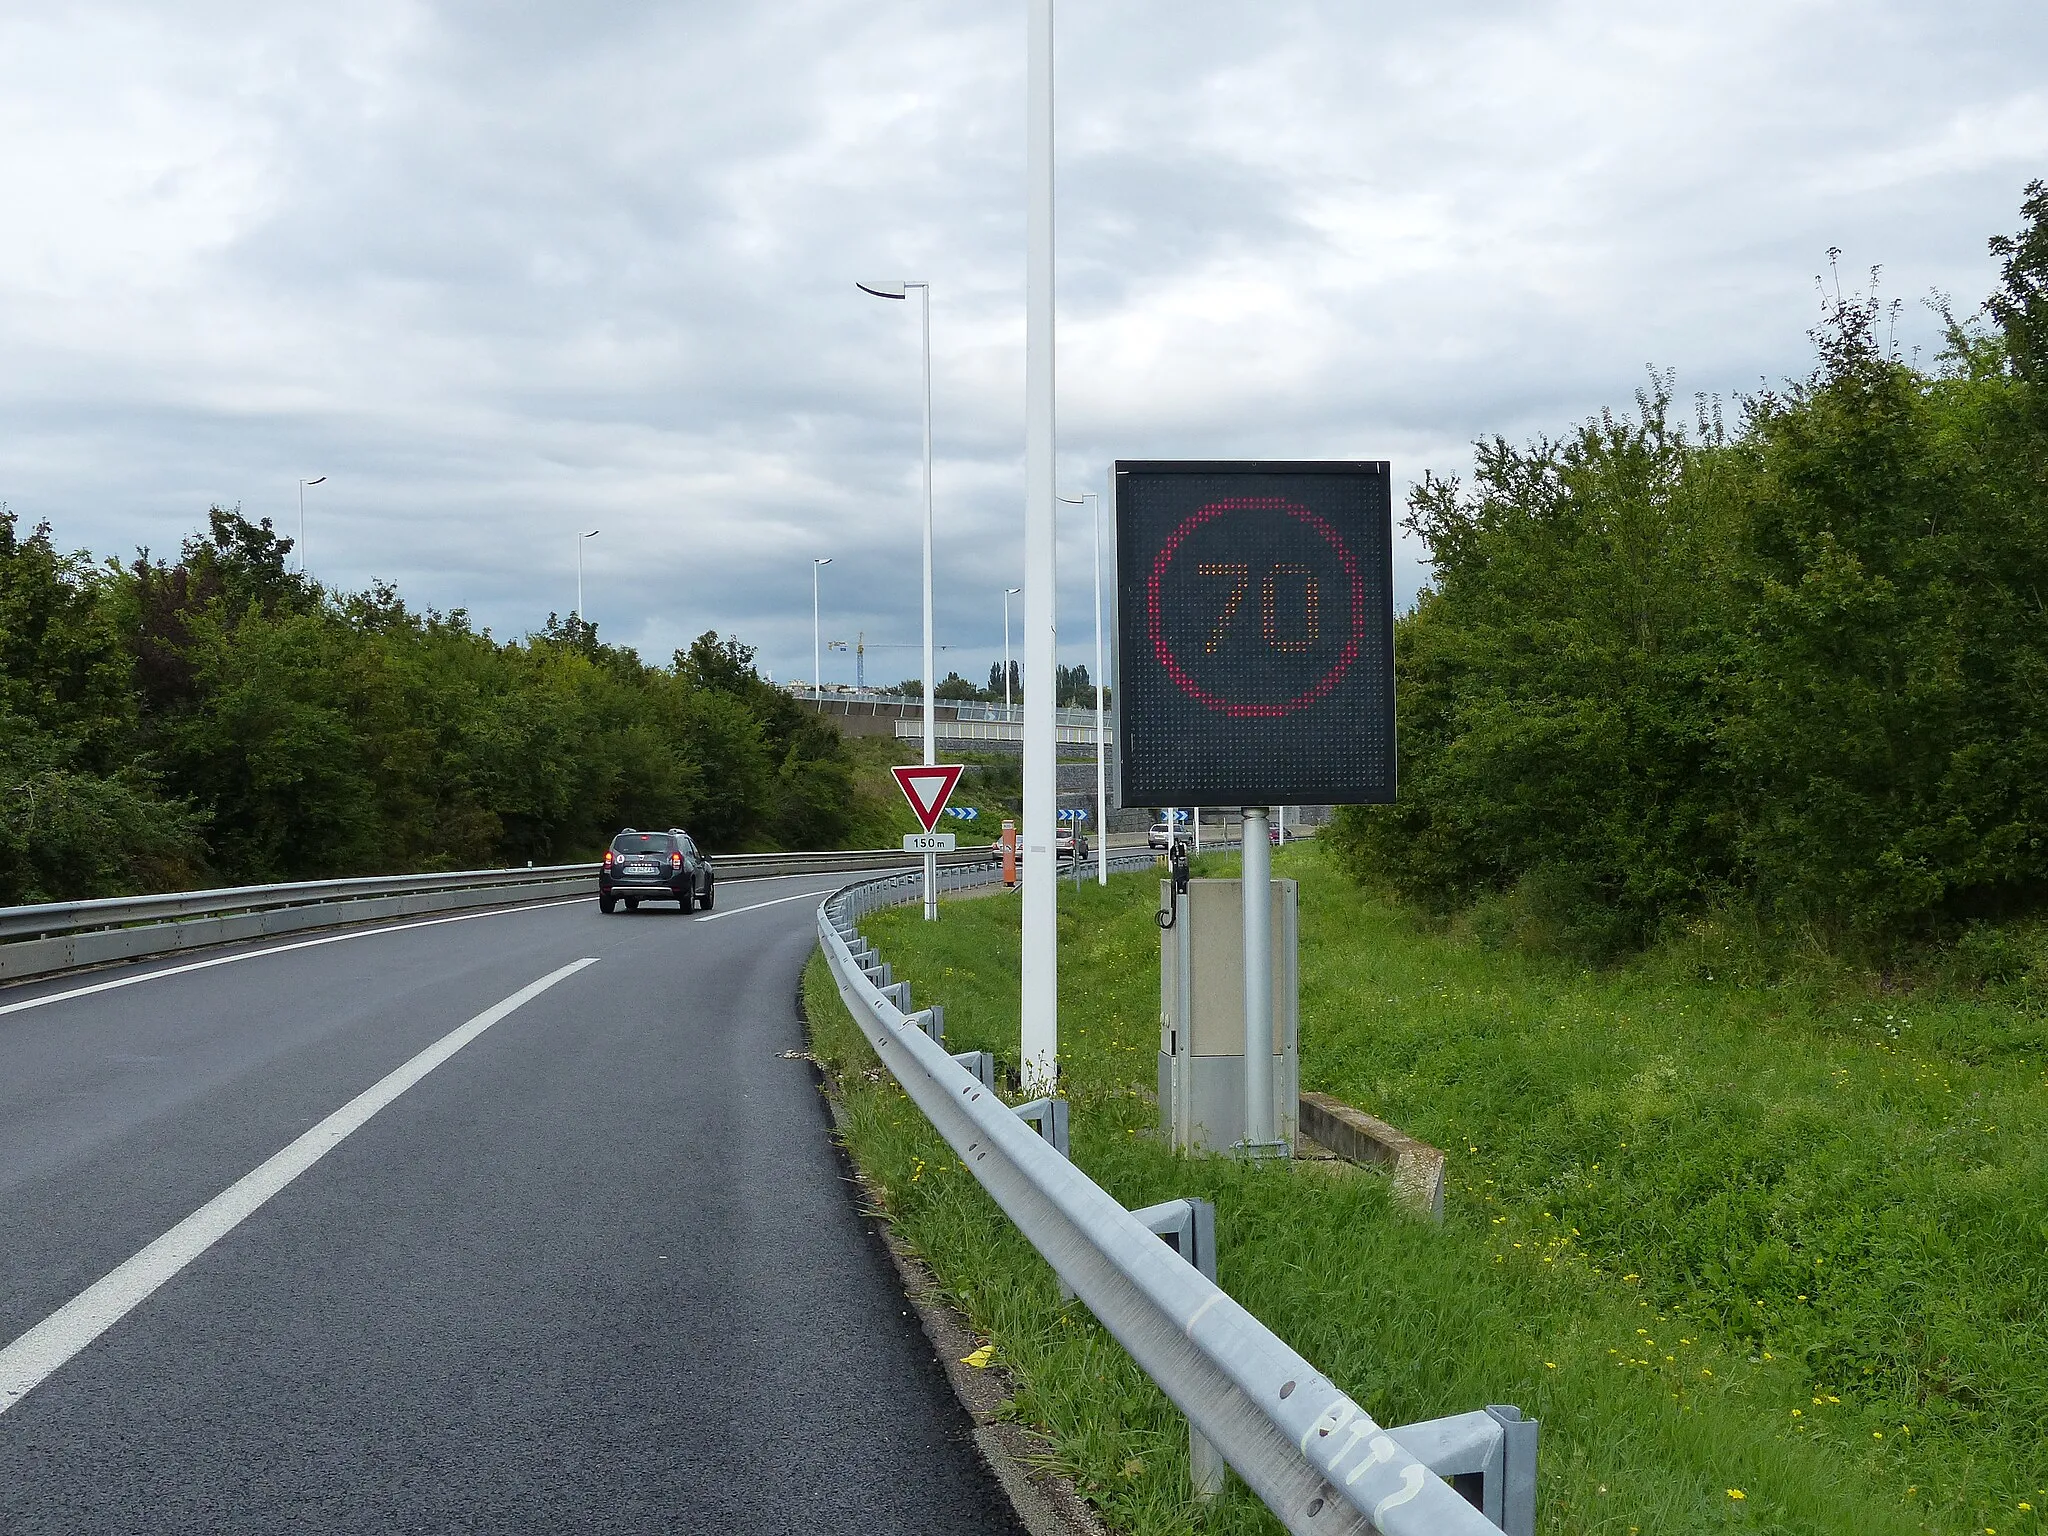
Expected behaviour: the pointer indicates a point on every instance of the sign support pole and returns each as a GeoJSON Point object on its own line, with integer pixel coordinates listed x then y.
{"type": "Point", "coordinates": [1260, 1134]}
{"type": "Point", "coordinates": [1040, 999]}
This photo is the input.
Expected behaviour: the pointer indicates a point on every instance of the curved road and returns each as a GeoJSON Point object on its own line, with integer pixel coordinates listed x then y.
{"type": "Point", "coordinates": [593, 1264]}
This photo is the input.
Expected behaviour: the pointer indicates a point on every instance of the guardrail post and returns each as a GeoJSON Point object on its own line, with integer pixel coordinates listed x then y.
{"type": "Point", "coordinates": [1049, 1118]}
{"type": "Point", "coordinates": [982, 1064]}
{"type": "Point", "coordinates": [1517, 1515]}
{"type": "Point", "coordinates": [932, 1021]}
{"type": "Point", "coordinates": [1188, 1227]}
{"type": "Point", "coordinates": [1488, 1456]}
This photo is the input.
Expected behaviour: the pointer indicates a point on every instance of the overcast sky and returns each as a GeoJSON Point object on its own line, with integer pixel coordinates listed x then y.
{"type": "Point", "coordinates": [504, 271]}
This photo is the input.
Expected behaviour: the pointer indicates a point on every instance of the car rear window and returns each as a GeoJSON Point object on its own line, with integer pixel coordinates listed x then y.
{"type": "Point", "coordinates": [642, 842]}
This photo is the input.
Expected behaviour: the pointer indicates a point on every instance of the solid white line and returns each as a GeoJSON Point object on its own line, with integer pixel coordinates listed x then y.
{"type": "Point", "coordinates": [778, 901]}
{"type": "Point", "coordinates": [30, 1359]}
{"type": "Point", "coordinates": [275, 949]}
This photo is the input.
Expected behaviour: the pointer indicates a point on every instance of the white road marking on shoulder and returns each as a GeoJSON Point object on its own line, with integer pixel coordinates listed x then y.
{"type": "Point", "coordinates": [274, 949]}
{"type": "Point", "coordinates": [30, 1359]}
{"type": "Point", "coordinates": [778, 901]}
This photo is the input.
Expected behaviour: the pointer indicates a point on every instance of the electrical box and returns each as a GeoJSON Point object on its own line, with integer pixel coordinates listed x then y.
{"type": "Point", "coordinates": [1201, 1014]}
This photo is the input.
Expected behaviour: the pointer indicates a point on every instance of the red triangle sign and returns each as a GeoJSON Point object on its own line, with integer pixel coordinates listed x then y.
{"type": "Point", "coordinates": [927, 787]}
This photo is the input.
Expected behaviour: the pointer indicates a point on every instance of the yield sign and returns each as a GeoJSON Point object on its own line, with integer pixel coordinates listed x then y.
{"type": "Point", "coordinates": [926, 787]}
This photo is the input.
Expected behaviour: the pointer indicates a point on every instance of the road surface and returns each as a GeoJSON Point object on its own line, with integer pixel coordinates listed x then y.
{"type": "Point", "coordinates": [320, 1235]}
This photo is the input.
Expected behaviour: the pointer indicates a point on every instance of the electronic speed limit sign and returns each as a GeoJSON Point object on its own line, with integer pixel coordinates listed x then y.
{"type": "Point", "coordinates": [1255, 633]}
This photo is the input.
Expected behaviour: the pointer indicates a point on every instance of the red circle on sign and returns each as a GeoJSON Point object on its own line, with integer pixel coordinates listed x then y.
{"type": "Point", "coordinates": [1164, 652]}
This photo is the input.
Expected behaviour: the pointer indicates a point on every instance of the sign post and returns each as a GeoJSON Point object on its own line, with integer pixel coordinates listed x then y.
{"type": "Point", "coordinates": [927, 786]}
{"type": "Point", "coordinates": [1255, 666]}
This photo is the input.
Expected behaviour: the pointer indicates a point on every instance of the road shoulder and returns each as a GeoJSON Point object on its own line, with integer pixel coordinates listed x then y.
{"type": "Point", "coordinates": [1045, 1502]}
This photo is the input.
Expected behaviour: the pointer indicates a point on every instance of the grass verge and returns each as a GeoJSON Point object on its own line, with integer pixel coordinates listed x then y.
{"type": "Point", "coordinates": [1761, 1258]}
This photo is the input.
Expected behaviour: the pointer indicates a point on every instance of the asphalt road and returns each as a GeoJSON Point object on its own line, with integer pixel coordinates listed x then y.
{"type": "Point", "coordinates": [599, 1269]}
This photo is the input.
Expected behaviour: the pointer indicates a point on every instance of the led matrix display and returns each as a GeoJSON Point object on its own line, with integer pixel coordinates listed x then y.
{"type": "Point", "coordinates": [1255, 634]}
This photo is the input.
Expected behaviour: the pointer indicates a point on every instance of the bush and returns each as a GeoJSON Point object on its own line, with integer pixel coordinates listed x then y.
{"type": "Point", "coordinates": [1798, 664]}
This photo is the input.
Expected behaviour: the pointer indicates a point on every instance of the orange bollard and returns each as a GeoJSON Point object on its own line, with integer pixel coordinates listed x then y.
{"type": "Point", "coordinates": [1009, 842]}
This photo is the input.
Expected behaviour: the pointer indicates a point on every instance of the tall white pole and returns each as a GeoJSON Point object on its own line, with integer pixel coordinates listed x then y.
{"type": "Point", "coordinates": [1008, 593]}
{"type": "Point", "coordinates": [1040, 998]}
{"type": "Point", "coordinates": [1260, 1133]}
{"type": "Point", "coordinates": [817, 651]}
{"type": "Point", "coordinates": [1101, 778]}
{"type": "Point", "coordinates": [316, 480]}
{"type": "Point", "coordinates": [580, 537]}
{"type": "Point", "coordinates": [1101, 719]}
{"type": "Point", "coordinates": [896, 290]}
{"type": "Point", "coordinates": [931, 728]}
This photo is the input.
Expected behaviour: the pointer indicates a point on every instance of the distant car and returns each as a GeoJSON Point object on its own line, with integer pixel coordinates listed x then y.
{"type": "Point", "coordinates": [1162, 835]}
{"type": "Point", "coordinates": [655, 866]}
{"type": "Point", "coordinates": [1065, 840]}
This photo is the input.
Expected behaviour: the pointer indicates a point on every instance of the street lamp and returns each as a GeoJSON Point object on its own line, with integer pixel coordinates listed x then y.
{"type": "Point", "coordinates": [931, 754]}
{"type": "Point", "coordinates": [320, 480]}
{"type": "Point", "coordinates": [579, 571]}
{"type": "Point", "coordinates": [1101, 760]}
{"type": "Point", "coordinates": [817, 653]}
{"type": "Point", "coordinates": [1008, 593]}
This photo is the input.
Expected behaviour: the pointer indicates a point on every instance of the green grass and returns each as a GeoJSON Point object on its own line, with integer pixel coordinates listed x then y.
{"type": "Point", "coordinates": [1783, 1239]}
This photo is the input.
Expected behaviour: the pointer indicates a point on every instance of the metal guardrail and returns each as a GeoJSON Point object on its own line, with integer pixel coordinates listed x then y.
{"type": "Point", "coordinates": [48, 937]}
{"type": "Point", "coordinates": [1315, 1458]}
{"type": "Point", "coordinates": [54, 917]}
{"type": "Point", "coordinates": [997, 730]}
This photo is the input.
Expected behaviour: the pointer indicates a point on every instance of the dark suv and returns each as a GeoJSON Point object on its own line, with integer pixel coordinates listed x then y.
{"type": "Point", "coordinates": [654, 866]}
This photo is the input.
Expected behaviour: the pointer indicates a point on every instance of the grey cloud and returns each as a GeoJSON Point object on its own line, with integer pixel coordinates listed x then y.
{"type": "Point", "coordinates": [501, 272]}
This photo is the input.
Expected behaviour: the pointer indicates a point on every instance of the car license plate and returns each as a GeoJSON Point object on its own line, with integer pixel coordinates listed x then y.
{"type": "Point", "coordinates": [640, 869]}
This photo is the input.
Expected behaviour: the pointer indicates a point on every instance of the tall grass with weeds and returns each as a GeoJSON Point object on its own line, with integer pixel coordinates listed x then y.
{"type": "Point", "coordinates": [1763, 1255]}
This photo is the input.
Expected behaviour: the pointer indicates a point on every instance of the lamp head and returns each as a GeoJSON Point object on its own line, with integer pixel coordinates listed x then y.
{"type": "Point", "coordinates": [826, 561]}
{"type": "Point", "coordinates": [321, 481]}
{"type": "Point", "coordinates": [885, 290]}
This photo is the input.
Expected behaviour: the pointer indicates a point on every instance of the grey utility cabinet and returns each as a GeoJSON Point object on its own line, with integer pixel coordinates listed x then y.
{"type": "Point", "coordinates": [1201, 1014]}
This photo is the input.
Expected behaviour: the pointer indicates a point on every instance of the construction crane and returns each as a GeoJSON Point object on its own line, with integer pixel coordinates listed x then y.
{"type": "Point", "coordinates": [860, 648]}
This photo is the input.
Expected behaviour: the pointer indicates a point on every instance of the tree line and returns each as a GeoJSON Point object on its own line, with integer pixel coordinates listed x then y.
{"type": "Point", "coordinates": [1072, 688]}
{"type": "Point", "coordinates": [221, 718]}
{"type": "Point", "coordinates": [1796, 662]}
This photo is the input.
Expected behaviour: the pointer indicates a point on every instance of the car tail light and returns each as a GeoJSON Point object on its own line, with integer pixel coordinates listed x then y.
{"type": "Point", "coordinates": [675, 858]}
{"type": "Point", "coordinates": [608, 855]}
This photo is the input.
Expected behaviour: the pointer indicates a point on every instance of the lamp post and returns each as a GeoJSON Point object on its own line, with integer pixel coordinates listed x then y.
{"type": "Point", "coordinates": [817, 652]}
{"type": "Point", "coordinates": [319, 480]}
{"type": "Point", "coordinates": [1008, 593]}
{"type": "Point", "coordinates": [931, 754]}
{"type": "Point", "coordinates": [1101, 748]}
{"type": "Point", "coordinates": [579, 571]}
